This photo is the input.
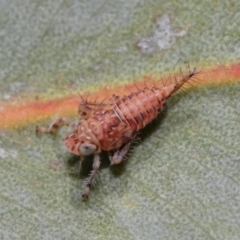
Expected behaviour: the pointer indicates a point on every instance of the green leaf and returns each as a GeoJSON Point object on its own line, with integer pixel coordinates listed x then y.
{"type": "Point", "coordinates": [182, 181]}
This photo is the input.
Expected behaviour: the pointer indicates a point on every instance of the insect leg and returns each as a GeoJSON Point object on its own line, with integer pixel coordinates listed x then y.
{"type": "Point", "coordinates": [93, 177]}
{"type": "Point", "coordinates": [119, 155]}
{"type": "Point", "coordinates": [54, 126]}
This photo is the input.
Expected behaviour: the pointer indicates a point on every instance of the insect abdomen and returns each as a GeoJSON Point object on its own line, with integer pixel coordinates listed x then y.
{"type": "Point", "coordinates": [139, 108]}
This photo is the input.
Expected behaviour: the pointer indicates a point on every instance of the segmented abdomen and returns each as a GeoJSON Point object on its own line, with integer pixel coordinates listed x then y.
{"type": "Point", "coordinates": [139, 108]}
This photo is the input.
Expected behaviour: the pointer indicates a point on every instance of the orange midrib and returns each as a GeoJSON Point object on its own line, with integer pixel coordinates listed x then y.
{"type": "Point", "coordinates": [27, 112]}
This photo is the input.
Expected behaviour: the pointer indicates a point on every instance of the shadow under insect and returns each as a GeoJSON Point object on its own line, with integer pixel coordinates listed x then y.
{"type": "Point", "coordinates": [86, 167]}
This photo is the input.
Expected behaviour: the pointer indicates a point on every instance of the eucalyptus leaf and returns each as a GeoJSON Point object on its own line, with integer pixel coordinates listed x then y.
{"type": "Point", "coordinates": [181, 181]}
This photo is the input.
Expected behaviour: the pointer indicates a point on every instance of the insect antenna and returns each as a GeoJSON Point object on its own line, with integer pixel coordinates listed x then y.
{"type": "Point", "coordinates": [80, 166]}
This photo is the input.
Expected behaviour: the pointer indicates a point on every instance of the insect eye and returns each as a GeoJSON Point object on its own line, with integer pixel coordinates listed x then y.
{"type": "Point", "coordinates": [87, 149]}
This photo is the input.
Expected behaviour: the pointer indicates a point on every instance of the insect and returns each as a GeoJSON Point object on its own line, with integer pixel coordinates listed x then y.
{"type": "Point", "coordinates": [112, 125]}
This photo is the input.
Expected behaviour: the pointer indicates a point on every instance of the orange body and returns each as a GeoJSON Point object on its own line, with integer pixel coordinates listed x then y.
{"type": "Point", "coordinates": [112, 124]}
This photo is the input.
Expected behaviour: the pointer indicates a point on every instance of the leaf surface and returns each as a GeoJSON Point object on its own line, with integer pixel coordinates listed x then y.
{"type": "Point", "coordinates": [182, 181]}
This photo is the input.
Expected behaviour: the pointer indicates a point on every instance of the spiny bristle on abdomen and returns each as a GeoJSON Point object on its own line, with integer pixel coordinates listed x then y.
{"type": "Point", "coordinates": [174, 87]}
{"type": "Point", "coordinates": [141, 107]}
